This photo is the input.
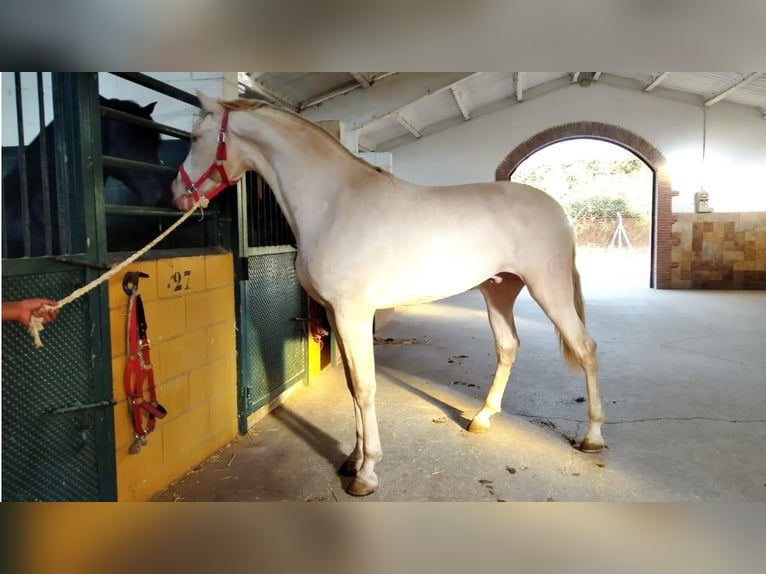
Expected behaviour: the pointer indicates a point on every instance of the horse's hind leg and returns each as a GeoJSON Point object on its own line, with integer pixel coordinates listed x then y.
{"type": "Point", "coordinates": [562, 302]}
{"type": "Point", "coordinates": [499, 298]}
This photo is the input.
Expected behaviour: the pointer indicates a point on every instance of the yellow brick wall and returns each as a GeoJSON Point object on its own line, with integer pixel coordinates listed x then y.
{"type": "Point", "coordinates": [189, 304]}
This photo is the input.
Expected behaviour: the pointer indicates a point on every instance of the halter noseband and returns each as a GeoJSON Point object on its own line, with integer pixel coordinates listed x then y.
{"type": "Point", "coordinates": [216, 166]}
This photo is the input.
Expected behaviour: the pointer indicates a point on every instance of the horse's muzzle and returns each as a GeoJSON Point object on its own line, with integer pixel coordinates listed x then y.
{"type": "Point", "coordinates": [182, 200]}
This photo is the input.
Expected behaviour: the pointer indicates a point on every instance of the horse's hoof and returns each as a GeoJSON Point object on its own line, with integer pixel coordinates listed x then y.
{"type": "Point", "coordinates": [358, 488]}
{"type": "Point", "coordinates": [348, 468]}
{"type": "Point", "coordinates": [590, 446]}
{"type": "Point", "coordinates": [477, 427]}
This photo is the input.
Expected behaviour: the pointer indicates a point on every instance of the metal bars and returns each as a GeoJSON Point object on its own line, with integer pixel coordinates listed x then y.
{"type": "Point", "coordinates": [22, 159]}
{"type": "Point", "coordinates": [265, 223]}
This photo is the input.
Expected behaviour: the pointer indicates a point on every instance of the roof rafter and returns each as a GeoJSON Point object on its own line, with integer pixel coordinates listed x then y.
{"type": "Point", "coordinates": [518, 80]}
{"type": "Point", "coordinates": [734, 87]}
{"type": "Point", "coordinates": [394, 113]}
{"type": "Point", "coordinates": [259, 89]}
{"type": "Point", "coordinates": [529, 94]}
{"type": "Point", "coordinates": [656, 81]}
{"type": "Point", "coordinates": [363, 78]}
{"type": "Point", "coordinates": [341, 90]}
{"type": "Point", "coordinates": [406, 124]}
{"type": "Point", "coordinates": [458, 95]}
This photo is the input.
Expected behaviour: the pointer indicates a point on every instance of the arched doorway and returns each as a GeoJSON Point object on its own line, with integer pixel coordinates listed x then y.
{"type": "Point", "coordinates": [662, 218]}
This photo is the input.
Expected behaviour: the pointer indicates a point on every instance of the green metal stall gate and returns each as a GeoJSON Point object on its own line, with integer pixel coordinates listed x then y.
{"type": "Point", "coordinates": [56, 402]}
{"type": "Point", "coordinates": [58, 421]}
{"type": "Point", "coordinates": [272, 306]}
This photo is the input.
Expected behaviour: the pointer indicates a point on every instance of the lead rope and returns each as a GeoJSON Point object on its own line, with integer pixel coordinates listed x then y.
{"type": "Point", "coordinates": [36, 323]}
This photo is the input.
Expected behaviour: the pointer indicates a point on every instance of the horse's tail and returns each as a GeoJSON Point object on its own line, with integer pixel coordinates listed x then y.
{"type": "Point", "coordinates": [569, 354]}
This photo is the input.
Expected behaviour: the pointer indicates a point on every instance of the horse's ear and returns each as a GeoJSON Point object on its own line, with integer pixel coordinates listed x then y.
{"type": "Point", "coordinates": [149, 108]}
{"type": "Point", "coordinates": [209, 104]}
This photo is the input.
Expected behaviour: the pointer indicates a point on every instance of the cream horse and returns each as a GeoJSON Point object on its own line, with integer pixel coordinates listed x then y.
{"type": "Point", "coordinates": [367, 240]}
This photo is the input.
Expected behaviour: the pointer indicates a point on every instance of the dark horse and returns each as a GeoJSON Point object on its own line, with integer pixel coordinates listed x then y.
{"type": "Point", "coordinates": [128, 187]}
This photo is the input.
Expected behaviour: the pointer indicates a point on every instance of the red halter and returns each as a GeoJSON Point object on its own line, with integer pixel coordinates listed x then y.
{"type": "Point", "coordinates": [217, 165]}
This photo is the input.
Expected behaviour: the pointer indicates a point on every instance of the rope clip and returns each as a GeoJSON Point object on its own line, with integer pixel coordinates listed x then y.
{"type": "Point", "coordinates": [130, 281]}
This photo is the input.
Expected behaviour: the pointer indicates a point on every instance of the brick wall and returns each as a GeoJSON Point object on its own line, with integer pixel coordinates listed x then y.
{"type": "Point", "coordinates": [663, 194]}
{"type": "Point", "coordinates": [719, 251]}
{"type": "Point", "coordinates": [189, 304]}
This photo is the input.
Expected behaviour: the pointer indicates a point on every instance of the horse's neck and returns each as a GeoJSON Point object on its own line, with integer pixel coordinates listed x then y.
{"type": "Point", "coordinates": [301, 166]}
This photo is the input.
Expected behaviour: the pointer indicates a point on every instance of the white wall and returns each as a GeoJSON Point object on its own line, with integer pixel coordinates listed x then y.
{"type": "Point", "coordinates": [29, 105]}
{"type": "Point", "coordinates": [735, 149]}
{"type": "Point", "coordinates": [735, 159]}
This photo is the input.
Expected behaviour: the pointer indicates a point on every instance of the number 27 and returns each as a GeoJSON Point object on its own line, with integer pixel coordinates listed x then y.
{"type": "Point", "coordinates": [178, 278]}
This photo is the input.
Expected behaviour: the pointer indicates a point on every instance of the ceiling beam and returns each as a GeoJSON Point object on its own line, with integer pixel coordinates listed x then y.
{"type": "Point", "coordinates": [656, 81]}
{"type": "Point", "coordinates": [532, 93]}
{"type": "Point", "coordinates": [529, 95]}
{"type": "Point", "coordinates": [362, 78]}
{"type": "Point", "coordinates": [407, 125]}
{"type": "Point", "coordinates": [334, 93]}
{"type": "Point", "coordinates": [385, 97]}
{"type": "Point", "coordinates": [244, 79]}
{"type": "Point", "coordinates": [458, 95]}
{"type": "Point", "coordinates": [398, 110]}
{"type": "Point", "coordinates": [341, 90]}
{"type": "Point", "coordinates": [518, 80]}
{"type": "Point", "coordinates": [734, 87]}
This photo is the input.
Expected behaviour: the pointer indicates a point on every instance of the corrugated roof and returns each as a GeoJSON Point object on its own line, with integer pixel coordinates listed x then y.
{"type": "Point", "coordinates": [441, 108]}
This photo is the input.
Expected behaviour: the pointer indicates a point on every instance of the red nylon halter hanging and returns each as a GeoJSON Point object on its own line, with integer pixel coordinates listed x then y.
{"type": "Point", "coordinates": [139, 373]}
{"type": "Point", "coordinates": [216, 166]}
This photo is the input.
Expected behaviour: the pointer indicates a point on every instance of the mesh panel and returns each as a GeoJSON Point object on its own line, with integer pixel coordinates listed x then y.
{"type": "Point", "coordinates": [276, 353]}
{"type": "Point", "coordinates": [48, 456]}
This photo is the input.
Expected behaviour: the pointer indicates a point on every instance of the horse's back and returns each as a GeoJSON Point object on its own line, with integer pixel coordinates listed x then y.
{"type": "Point", "coordinates": [502, 209]}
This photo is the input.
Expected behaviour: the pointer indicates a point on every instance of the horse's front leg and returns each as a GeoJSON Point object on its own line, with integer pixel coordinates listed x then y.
{"type": "Point", "coordinates": [353, 329]}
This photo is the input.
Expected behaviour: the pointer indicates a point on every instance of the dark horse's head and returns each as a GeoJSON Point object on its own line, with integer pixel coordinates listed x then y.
{"type": "Point", "coordinates": [135, 142]}
{"type": "Point", "coordinates": [120, 139]}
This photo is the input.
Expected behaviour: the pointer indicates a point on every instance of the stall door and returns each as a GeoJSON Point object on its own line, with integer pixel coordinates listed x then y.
{"type": "Point", "coordinates": [272, 306]}
{"type": "Point", "coordinates": [57, 420]}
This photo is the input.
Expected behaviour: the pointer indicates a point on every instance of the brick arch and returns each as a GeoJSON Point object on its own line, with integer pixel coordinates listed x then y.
{"type": "Point", "coordinates": [663, 194]}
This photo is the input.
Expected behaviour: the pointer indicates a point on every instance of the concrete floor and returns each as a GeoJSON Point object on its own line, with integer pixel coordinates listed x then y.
{"type": "Point", "coordinates": [683, 378]}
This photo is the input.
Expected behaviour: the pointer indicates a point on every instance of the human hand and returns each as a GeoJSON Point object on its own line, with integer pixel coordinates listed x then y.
{"type": "Point", "coordinates": [23, 311]}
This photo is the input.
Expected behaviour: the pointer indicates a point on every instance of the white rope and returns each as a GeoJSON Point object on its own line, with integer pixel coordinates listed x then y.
{"type": "Point", "coordinates": [36, 323]}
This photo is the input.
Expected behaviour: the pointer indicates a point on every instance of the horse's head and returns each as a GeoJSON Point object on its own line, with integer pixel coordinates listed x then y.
{"type": "Point", "coordinates": [136, 142]}
{"type": "Point", "coordinates": [213, 162]}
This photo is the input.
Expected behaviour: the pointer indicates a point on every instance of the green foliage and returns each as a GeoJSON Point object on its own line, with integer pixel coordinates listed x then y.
{"type": "Point", "coordinates": [601, 206]}
{"type": "Point", "coordinates": [602, 187]}
{"type": "Point", "coordinates": [626, 167]}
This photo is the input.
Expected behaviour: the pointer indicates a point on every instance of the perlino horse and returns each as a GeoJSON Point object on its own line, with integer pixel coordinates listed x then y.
{"type": "Point", "coordinates": [367, 240]}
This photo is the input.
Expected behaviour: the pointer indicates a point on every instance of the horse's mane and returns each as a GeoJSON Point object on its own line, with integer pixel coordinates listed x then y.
{"type": "Point", "coordinates": [246, 105]}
